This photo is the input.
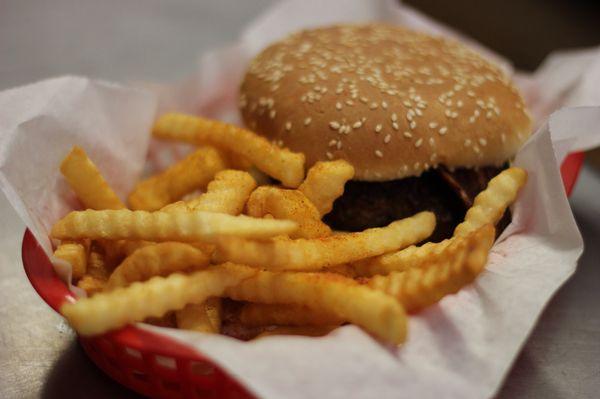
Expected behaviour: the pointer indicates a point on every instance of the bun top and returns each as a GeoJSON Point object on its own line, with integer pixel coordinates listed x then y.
{"type": "Point", "coordinates": [391, 101]}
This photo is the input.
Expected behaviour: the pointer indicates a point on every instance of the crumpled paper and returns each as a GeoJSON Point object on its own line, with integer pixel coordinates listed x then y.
{"type": "Point", "coordinates": [460, 348]}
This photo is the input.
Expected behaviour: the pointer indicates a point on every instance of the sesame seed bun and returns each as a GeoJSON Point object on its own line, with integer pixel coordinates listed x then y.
{"type": "Point", "coordinates": [391, 101]}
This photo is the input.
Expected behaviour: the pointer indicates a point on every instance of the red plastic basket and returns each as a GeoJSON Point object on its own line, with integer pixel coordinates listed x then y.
{"type": "Point", "coordinates": [153, 365]}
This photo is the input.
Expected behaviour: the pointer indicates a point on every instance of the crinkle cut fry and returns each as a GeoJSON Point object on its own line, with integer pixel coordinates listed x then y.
{"type": "Point", "coordinates": [374, 311]}
{"type": "Point", "coordinates": [192, 172]}
{"type": "Point", "coordinates": [314, 254]}
{"type": "Point", "coordinates": [106, 311]}
{"type": "Point", "coordinates": [282, 164]}
{"type": "Point", "coordinates": [290, 205]}
{"type": "Point", "coordinates": [488, 207]}
{"type": "Point", "coordinates": [418, 288]}
{"type": "Point", "coordinates": [164, 226]}
{"type": "Point", "coordinates": [325, 182]}
{"type": "Point", "coordinates": [88, 183]}
{"type": "Point", "coordinates": [157, 260]}
{"type": "Point", "coordinates": [76, 255]}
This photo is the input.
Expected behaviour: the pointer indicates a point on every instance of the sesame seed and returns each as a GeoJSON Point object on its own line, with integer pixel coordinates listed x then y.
{"type": "Point", "coordinates": [476, 149]}
{"type": "Point", "coordinates": [503, 137]}
{"type": "Point", "coordinates": [373, 106]}
{"type": "Point", "coordinates": [387, 138]}
{"type": "Point", "coordinates": [407, 103]}
{"type": "Point", "coordinates": [472, 119]}
{"type": "Point", "coordinates": [307, 121]}
{"type": "Point", "coordinates": [334, 125]}
{"type": "Point", "coordinates": [378, 128]}
{"type": "Point", "coordinates": [467, 142]}
{"type": "Point", "coordinates": [332, 143]}
{"type": "Point", "coordinates": [384, 105]}
{"type": "Point", "coordinates": [272, 114]}
{"type": "Point", "coordinates": [488, 115]}
{"type": "Point", "coordinates": [394, 117]}
{"type": "Point", "coordinates": [408, 135]}
{"type": "Point", "coordinates": [349, 102]}
{"type": "Point", "coordinates": [378, 154]}
{"type": "Point", "coordinates": [288, 126]}
{"type": "Point", "coordinates": [329, 155]}
{"type": "Point", "coordinates": [448, 113]}
{"type": "Point", "coordinates": [339, 145]}
{"type": "Point", "coordinates": [459, 103]}
{"type": "Point", "coordinates": [364, 100]}
{"type": "Point", "coordinates": [418, 112]}
{"type": "Point", "coordinates": [413, 125]}
{"type": "Point", "coordinates": [416, 165]}
{"type": "Point", "coordinates": [443, 130]}
{"type": "Point", "coordinates": [433, 125]}
{"type": "Point", "coordinates": [432, 141]}
{"type": "Point", "coordinates": [338, 105]}
{"type": "Point", "coordinates": [418, 143]}
{"type": "Point", "coordinates": [483, 142]}
{"type": "Point", "coordinates": [395, 126]}
{"type": "Point", "coordinates": [357, 125]}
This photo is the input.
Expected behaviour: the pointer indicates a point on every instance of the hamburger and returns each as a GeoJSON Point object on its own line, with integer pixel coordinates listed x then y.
{"type": "Point", "coordinates": [425, 121]}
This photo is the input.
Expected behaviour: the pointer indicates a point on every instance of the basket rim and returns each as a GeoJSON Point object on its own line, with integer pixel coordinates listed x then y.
{"type": "Point", "coordinates": [55, 292]}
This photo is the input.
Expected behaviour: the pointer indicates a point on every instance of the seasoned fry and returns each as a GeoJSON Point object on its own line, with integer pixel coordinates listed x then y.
{"type": "Point", "coordinates": [165, 226]}
{"type": "Point", "coordinates": [258, 314]}
{"type": "Point", "coordinates": [282, 164]}
{"type": "Point", "coordinates": [418, 288]}
{"type": "Point", "coordinates": [491, 203]}
{"type": "Point", "coordinates": [87, 181]}
{"type": "Point", "coordinates": [325, 182]}
{"type": "Point", "coordinates": [291, 205]}
{"type": "Point", "coordinates": [91, 285]}
{"type": "Point", "coordinates": [157, 260]}
{"type": "Point", "coordinates": [313, 254]}
{"type": "Point", "coordinates": [372, 310]}
{"type": "Point", "coordinates": [309, 331]}
{"type": "Point", "coordinates": [203, 317]}
{"type": "Point", "coordinates": [153, 298]}
{"type": "Point", "coordinates": [227, 193]}
{"type": "Point", "coordinates": [74, 253]}
{"type": "Point", "coordinates": [187, 175]}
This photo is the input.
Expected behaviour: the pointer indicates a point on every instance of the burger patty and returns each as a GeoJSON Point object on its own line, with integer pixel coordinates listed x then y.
{"type": "Point", "coordinates": [446, 193]}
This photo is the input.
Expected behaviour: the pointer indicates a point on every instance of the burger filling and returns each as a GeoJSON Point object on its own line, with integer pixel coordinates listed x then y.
{"type": "Point", "coordinates": [448, 194]}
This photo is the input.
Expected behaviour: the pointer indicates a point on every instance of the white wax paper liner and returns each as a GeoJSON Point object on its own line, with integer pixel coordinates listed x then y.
{"type": "Point", "coordinates": [459, 348]}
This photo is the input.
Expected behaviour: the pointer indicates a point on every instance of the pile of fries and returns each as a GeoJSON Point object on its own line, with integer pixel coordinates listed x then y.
{"type": "Point", "coordinates": [203, 245]}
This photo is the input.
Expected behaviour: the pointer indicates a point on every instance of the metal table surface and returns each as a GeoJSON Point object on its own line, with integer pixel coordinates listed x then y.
{"type": "Point", "coordinates": [39, 356]}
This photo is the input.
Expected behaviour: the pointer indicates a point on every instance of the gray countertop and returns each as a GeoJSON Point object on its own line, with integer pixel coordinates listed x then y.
{"type": "Point", "coordinates": [159, 40]}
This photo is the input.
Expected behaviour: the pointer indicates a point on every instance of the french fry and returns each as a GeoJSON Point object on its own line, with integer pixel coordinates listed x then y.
{"type": "Point", "coordinates": [204, 317]}
{"type": "Point", "coordinates": [153, 298]}
{"type": "Point", "coordinates": [488, 208]}
{"type": "Point", "coordinates": [87, 181]}
{"type": "Point", "coordinates": [258, 314]}
{"type": "Point", "coordinates": [157, 260]}
{"type": "Point", "coordinates": [227, 193]}
{"type": "Point", "coordinates": [117, 250]}
{"type": "Point", "coordinates": [309, 331]}
{"type": "Point", "coordinates": [291, 205]}
{"type": "Point", "coordinates": [74, 253]}
{"type": "Point", "coordinates": [314, 254]}
{"type": "Point", "coordinates": [193, 172]}
{"type": "Point", "coordinates": [91, 285]}
{"type": "Point", "coordinates": [282, 164]}
{"type": "Point", "coordinates": [325, 182]}
{"type": "Point", "coordinates": [418, 288]}
{"type": "Point", "coordinates": [376, 312]}
{"type": "Point", "coordinates": [164, 226]}
{"type": "Point", "coordinates": [491, 203]}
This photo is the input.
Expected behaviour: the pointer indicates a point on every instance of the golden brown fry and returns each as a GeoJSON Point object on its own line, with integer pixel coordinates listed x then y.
{"type": "Point", "coordinates": [187, 175]}
{"type": "Point", "coordinates": [157, 260]}
{"type": "Point", "coordinates": [282, 164]}
{"type": "Point", "coordinates": [76, 255]}
{"type": "Point", "coordinates": [117, 250]}
{"type": "Point", "coordinates": [204, 317]}
{"type": "Point", "coordinates": [491, 203]}
{"type": "Point", "coordinates": [418, 288]}
{"type": "Point", "coordinates": [153, 298]}
{"type": "Point", "coordinates": [227, 193]}
{"type": "Point", "coordinates": [87, 181]}
{"type": "Point", "coordinates": [259, 314]}
{"type": "Point", "coordinates": [96, 264]}
{"type": "Point", "coordinates": [325, 182]}
{"type": "Point", "coordinates": [309, 331]}
{"type": "Point", "coordinates": [164, 226]}
{"type": "Point", "coordinates": [91, 285]}
{"type": "Point", "coordinates": [372, 310]}
{"type": "Point", "coordinates": [313, 254]}
{"type": "Point", "coordinates": [291, 205]}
